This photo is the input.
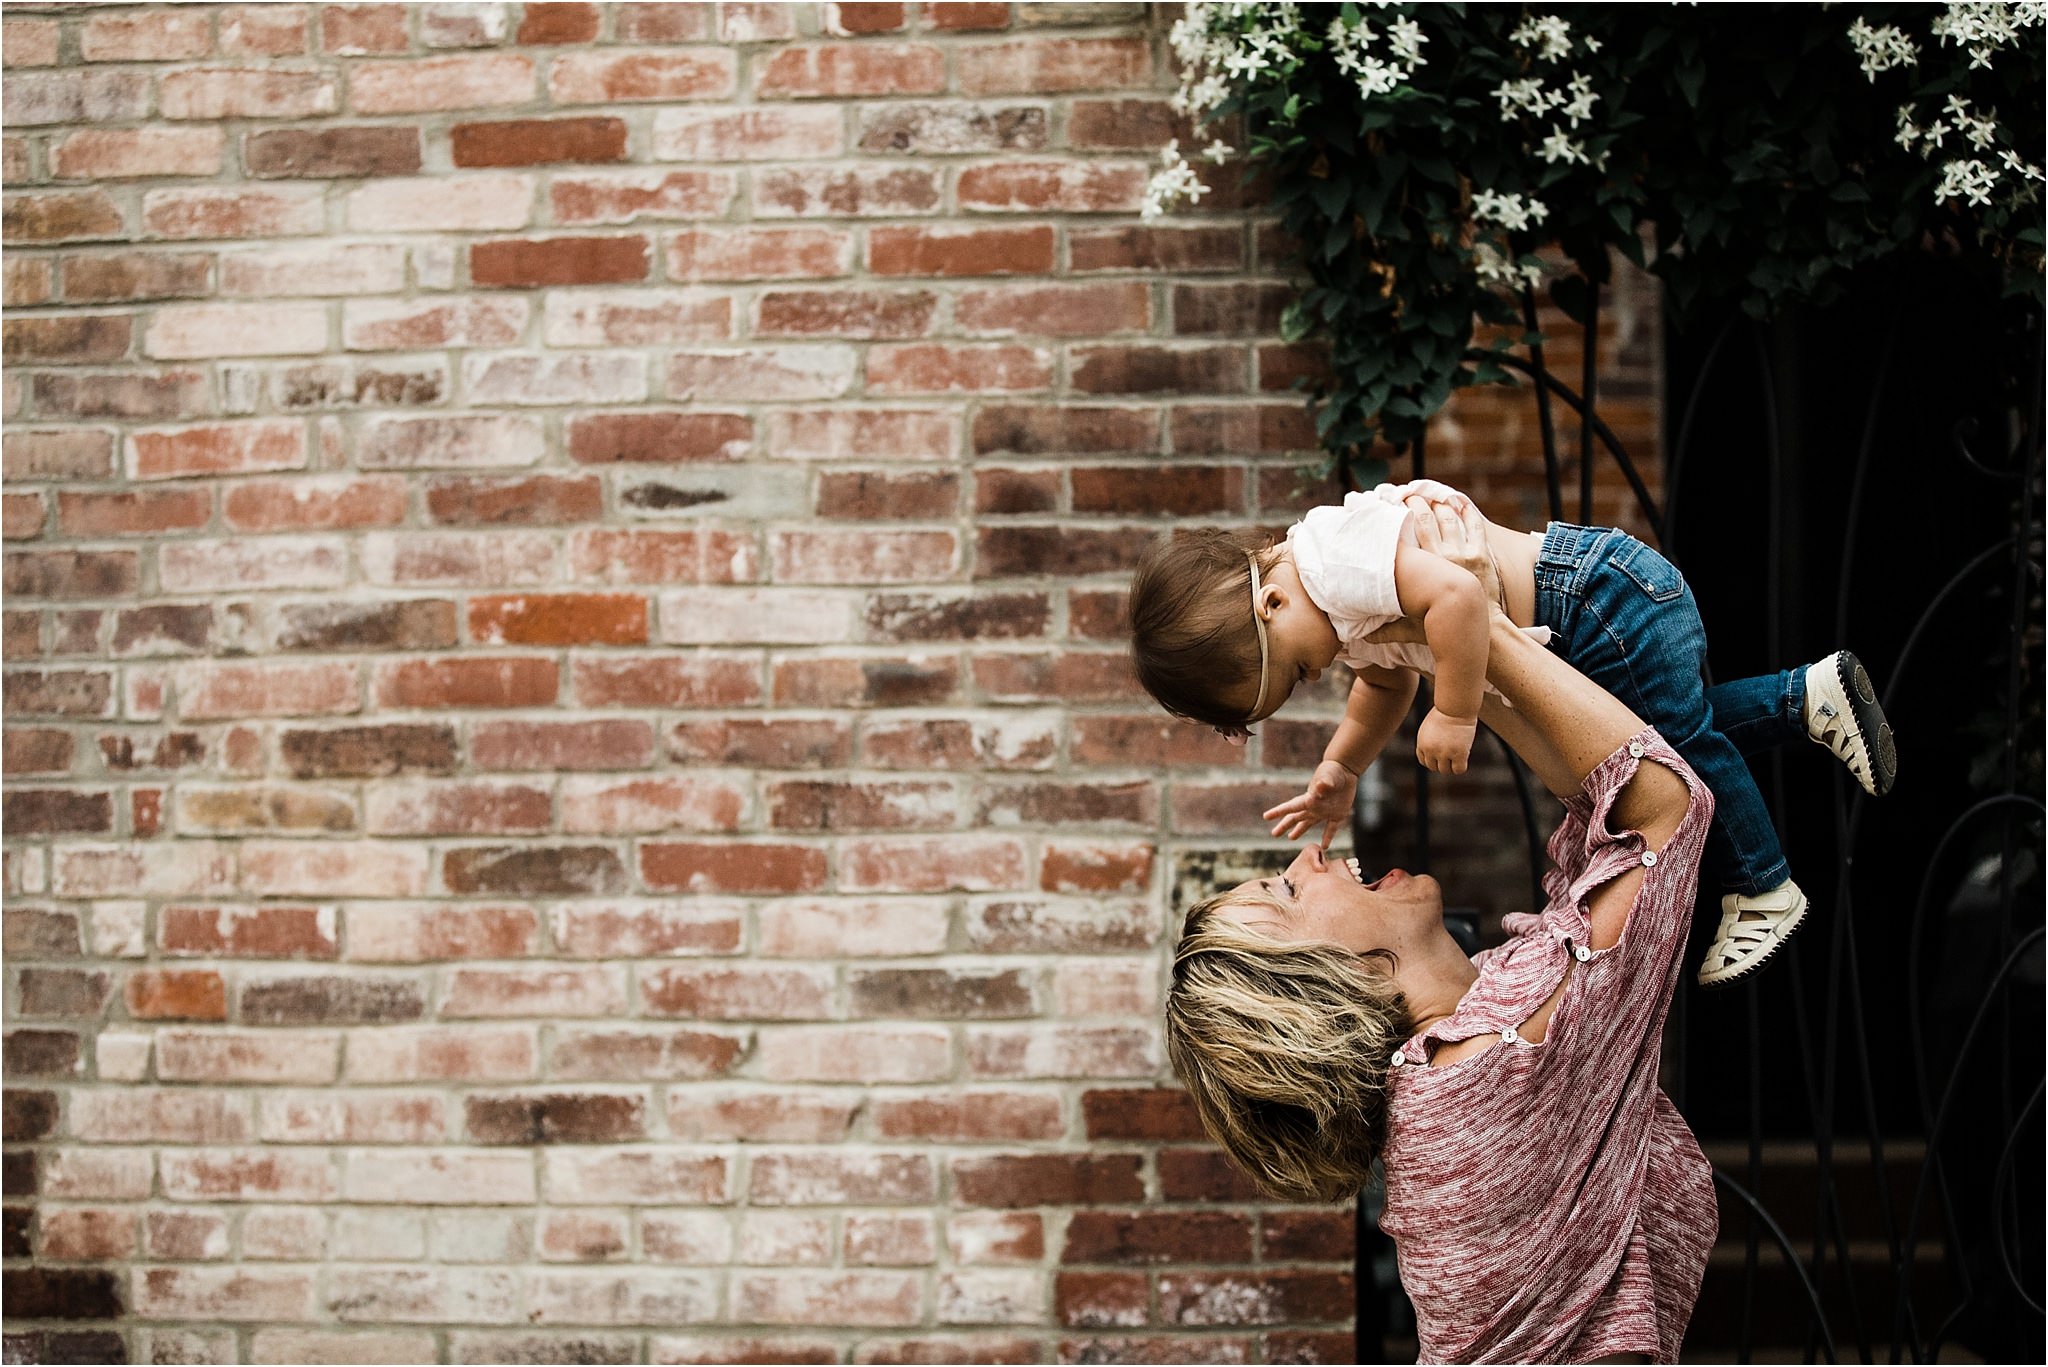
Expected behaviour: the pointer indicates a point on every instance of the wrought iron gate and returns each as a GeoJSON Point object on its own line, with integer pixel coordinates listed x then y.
{"type": "Point", "coordinates": [1873, 1104]}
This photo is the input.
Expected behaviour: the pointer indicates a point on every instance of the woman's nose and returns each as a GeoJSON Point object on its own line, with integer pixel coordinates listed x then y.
{"type": "Point", "coordinates": [1310, 860]}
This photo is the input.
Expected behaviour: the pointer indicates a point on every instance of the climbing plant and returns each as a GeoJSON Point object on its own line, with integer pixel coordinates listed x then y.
{"type": "Point", "coordinates": [1432, 162]}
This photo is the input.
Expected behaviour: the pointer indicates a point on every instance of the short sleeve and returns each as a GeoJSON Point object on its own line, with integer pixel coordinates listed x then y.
{"type": "Point", "coordinates": [1587, 852]}
{"type": "Point", "coordinates": [1345, 556]}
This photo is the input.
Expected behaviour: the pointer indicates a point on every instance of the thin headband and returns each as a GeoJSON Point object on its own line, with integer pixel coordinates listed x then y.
{"type": "Point", "coordinates": [1260, 623]}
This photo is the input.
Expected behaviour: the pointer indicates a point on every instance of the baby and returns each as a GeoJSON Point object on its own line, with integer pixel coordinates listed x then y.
{"type": "Point", "coordinates": [1225, 626]}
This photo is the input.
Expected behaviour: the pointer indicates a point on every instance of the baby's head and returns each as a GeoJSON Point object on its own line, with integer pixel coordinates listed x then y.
{"type": "Point", "coordinates": [1208, 609]}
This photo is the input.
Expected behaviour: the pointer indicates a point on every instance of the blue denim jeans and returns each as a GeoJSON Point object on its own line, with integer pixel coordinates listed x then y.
{"type": "Point", "coordinates": [1623, 616]}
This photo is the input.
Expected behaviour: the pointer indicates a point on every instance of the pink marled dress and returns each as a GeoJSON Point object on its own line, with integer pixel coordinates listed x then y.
{"type": "Point", "coordinates": [1547, 1201]}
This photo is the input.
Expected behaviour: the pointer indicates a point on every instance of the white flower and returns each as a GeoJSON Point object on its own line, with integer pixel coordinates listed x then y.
{"type": "Point", "coordinates": [1560, 147]}
{"type": "Point", "coordinates": [1405, 37]}
{"type": "Point", "coordinates": [1881, 48]}
{"type": "Point", "coordinates": [1548, 34]}
{"type": "Point", "coordinates": [1219, 151]}
{"type": "Point", "coordinates": [1970, 181]}
{"type": "Point", "coordinates": [1579, 107]}
{"type": "Point", "coordinates": [1495, 267]}
{"type": "Point", "coordinates": [1512, 212]}
{"type": "Point", "coordinates": [1525, 94]}
{"type": "Point", "coordinates": [1909, 132]}
{"type": "Point", "coordinates": [1985, 28]}
{"type": "Point", "coordinates": [1592, 43]}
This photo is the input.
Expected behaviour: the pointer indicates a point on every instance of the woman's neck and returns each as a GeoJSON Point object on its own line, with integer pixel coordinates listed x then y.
{"type": "Point", "coordinates": [1434, 976]}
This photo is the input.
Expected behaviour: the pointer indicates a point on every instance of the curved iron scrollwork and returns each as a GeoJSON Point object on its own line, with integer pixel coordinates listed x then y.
{"type": "Point", "coordinates": [1832, 1027]}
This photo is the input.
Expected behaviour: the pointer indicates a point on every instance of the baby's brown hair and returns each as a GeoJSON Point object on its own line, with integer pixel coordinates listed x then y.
{"type": "Point", "coordinates": [1192, 635]}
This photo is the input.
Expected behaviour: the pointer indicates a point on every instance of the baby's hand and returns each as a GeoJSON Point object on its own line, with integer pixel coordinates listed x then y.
{"type": "Point", "coordinates": [1444, 744]}
{"type": "Point", "coordinates": [1327, 799]}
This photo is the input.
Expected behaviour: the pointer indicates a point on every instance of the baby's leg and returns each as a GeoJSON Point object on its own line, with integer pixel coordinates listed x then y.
{"type": "Point", "coordinates": [1761, 713]}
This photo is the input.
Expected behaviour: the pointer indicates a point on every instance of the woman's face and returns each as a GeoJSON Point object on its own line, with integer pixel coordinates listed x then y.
{"type": "Point", "coordinates": [1319, 898]}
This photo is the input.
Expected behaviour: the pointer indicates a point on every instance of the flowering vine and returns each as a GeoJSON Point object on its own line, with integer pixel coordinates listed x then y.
{"type": "Point", "coordinates": [1423, 155]}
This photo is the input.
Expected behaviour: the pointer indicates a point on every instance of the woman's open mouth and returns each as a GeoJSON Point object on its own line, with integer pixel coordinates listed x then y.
{"type": "Point", "coordinates": [1352, 867]}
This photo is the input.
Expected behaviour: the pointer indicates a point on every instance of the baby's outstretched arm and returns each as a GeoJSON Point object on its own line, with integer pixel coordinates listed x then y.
{"type": "Point", "coordinates": [1379, 699]}
{"type": "Point", "coordinates": [1453, 610]}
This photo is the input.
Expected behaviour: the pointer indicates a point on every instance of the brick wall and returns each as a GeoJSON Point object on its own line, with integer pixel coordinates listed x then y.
{"type": "Point", "coordinates": [572, 793]}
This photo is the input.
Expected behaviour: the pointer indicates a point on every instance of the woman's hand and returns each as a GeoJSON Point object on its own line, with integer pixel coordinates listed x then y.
{"type": "Point", "coordinates": [1327, 799]}
{"type": "Point", "coordinates": [1457, 532]}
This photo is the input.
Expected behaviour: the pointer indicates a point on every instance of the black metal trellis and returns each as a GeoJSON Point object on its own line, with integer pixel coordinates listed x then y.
{"type": "Point", "coordinates": [1841, 1059]}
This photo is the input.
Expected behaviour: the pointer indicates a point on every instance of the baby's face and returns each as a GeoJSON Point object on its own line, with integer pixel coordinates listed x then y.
{"type": "Point", "coordinates": [1300, 642]}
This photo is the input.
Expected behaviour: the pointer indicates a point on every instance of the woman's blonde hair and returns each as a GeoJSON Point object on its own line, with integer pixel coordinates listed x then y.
{"type": "Point", "coordinates": [1285, 1048]}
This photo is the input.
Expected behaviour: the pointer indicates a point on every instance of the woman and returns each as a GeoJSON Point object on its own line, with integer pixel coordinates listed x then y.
{"type": "Point", "coordinates": [1546, 1200]}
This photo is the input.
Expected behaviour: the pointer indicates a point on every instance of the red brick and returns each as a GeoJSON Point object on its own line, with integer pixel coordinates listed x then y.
{"type": "Point", "coordinates": [666, 682]}
{"type": "Point", "coordinates": [509, 681]}
{"type": "Point", "coordinates": [538, 142]}
{"type": "Point", "coordinates": [402, 325]}
{"type": "Point", "coordinates": [865, 434]}
{"type": "Point", "coordinates": [773, 374]}
{"type": "Point", "coordinates": [661, 23]}
{"type": "Point", "coordinates": [464, 82]}
{"type": "Point", "coordinates": [185, 1236]}
{"type": "Point", "coordinates": [316, 503]}
{"type": "Point", "coordinates": [849, 17]}
{"type": "Point", "coordinates": [76, 96]}
{"type": "Point", "coordinates": [25, 516]}
{"type": "Point", "coordinates": [77, 339]}
{"type": "Point", "coordinates": [1258, 429]}
{"type": "Point", "coordinates": [655, 930]}
{"type": "Point", "coordinates": [636, 318]}
{"type": "Point", "coordinates": [867, 495]}
{"type": "Point", "coordinates": [1202, 1175]}
{"type": "Point", "coordinates": [765, 133]}
{"type": "Point", "coordinates": [932, 864]}
{"type": "Point", "coordinates": [231, 93]}
{"type": "Point", "coordinates": [1132, 124]}
{"type": "Point", "coordinates": [152, 36]}
{"type": "Point", "coordinates": [72, 1234]}
{"type": "Point", "coordinates": [263, 31]}
{"type": "Point", "coordinates": [1098, 1300]}
{"type": "Point", "coordinates": [356, 30]}
{"type": "Point", "coordinates": [848, 70]}
{"type": "Point", "coordinates": [176, 994]}
{"type": "Point", "coordinates": [59, 693]}
{"type": "Point", "coordinates": [862, 557]}
{"type": "Point", "coordinates": [353, 268]}
{"type": "Point", "coordinates": [630, 196]}
{"type": "Point", "coordinates": [860, 314]}
{"type": "Point", "coordinates": [333, 153]}
{"type": "Point", "coordinates": [949, 128]}
{"type": "Point", "coordinates": [232, 211]}
{"type": "Point", "coordinates": [72, 574]}
{"type": "Point", "coordinates": [625, 556]}
{"type": "Point", "coordinates": [554, 23]}
{"type": "Point", "coordinates": [1095, 1236]}
{"type": "Point", "coordinates": [428, 442]}
{"type": "Point", "coordinates": [756, 21]}
{"type": "Point", "coordinates": [457, 807]}
{"type": "Point", "coordinates": [559, 261]}
{"type": "Point", "coordinates": [529, 500]}
{"type": "Point", "coordinates": [1269, 1296]}
{"type": "Point", "coordinates": [1203, 248]}
{"type": "Point", "coordinates": [998, 491]}
{"type": "Point", "coordinates": [967, 15]}
{"type": "Point", "coordinates": [36, 751]}
{"type": "Point", "coordinates": [613, 77]}
{"type": "Point", "coordinates": [731, 866]}
{"type": "Point", "coordinates": [1051, 1179]}
{"type": "Point", "coordinates": [607, 378]}
{"type": "Point", "coordinates": [841, 805]}
{"type": "Point", "coordinates": [135, 275]}
{"type": "Point", "coordinates": [738, 992]}
{"type": "Point", "coordinates": [958, 251]}
{"type": "Point", "coordinates": [425, 934]}
{"type": "Point", "coordinates": [1053, 310]}
{"type": "Point", "coordinates": [148, 512]}
{"type": "Point", "coordinates": [28, 281]}
{"type": "Point", "coordinates": [977, 1117]}
{"type": "Point", "coordinates": [828, 1298]}
{"type": "Point", "coordinates": [131, 153]}
{"type": "Point", "coordinates": [1053, 66]}
{"type": "Point", "coordinates": [657, 437]}
{"type": "Point", "coordinates": [594, 745]}
{"type": "Point", "coordinates": [937, 368]}
{"type": "Point", "coordinates": [1237, 309]}
{"type": "Point", "coordinates": [63, 216]}
{"type": "Point", "coordinates": [534, 870]}
{"type": "Point", "coordinates": [845, 190]}
{"type": "Point", "coordinates": [1151, 369]}
{"type": "Point", "coordinates": [1322, 1236]}
{"type": "Point", "coordinates": [1092, 187]}
{"type": "Point", "coordinates": [208, 331]}
{"type": "Point", "coordinates": [601, 806]}
{"type": "Point", "coordinates": [654, 1055]}
{"type": "Point", "coordinates": [29, 42]}
{"type": "Point", "coordinates": [759, 254]}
